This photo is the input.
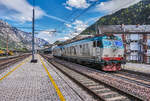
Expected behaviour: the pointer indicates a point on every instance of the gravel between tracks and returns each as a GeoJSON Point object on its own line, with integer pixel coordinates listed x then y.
{"type": "Point", "coordinates": [79, 91]}
{"type": "Point", "coordinates": [128, 87]}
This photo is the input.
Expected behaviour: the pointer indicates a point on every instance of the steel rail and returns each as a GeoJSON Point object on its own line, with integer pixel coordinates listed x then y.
{"type": "Point", "coordinates": [88, 82]}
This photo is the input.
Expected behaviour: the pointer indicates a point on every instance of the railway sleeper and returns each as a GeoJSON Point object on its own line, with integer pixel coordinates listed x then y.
{"type": "Point", "coordinates": [90, 83]}
{"type": "Point", "coordinates": [86, 81]}
{"type": "Point", "coordinates": [111, 96]}
{"type": "Point", "coordinates": [96, 87]}
{"type": "Point", "coordinates": [118, 98]}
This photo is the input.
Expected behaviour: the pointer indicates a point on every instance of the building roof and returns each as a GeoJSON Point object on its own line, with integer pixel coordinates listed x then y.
{"type": "Point", "coordinates": [78, 37]}
{"type": "Point", "coordinates": [137, 29]}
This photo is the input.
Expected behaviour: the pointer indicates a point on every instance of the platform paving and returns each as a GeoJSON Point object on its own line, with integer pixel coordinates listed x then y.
{"type": "Point", "coordinates": [137, 67]}
{"type": "Point", "coordinates": [27, 81]}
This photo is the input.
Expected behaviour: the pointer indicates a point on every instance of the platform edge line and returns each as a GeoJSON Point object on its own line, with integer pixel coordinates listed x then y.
{"type": "Point", "coordinates": [53, 82]}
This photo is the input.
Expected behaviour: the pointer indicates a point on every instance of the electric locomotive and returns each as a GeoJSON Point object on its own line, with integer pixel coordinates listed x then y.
{"type": "Point", "coordinates": [107, 51]}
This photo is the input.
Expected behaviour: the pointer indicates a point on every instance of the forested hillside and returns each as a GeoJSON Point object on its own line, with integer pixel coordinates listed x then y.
{"type": "Point", "coordinates": [136, 14]}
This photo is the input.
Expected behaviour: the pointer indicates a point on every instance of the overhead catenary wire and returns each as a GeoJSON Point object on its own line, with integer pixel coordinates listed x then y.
{"type": "Point", "coordinates": [84, 11]}
{"type": "Point", "coordinates": [70, 16]}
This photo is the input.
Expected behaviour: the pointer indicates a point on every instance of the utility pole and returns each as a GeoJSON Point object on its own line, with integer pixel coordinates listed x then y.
{"type": "Point", "coordinates": [7, 45]}
{"type": "Point", "coordinates": [33, 51]}
{"type": "Point", "coordinates": [96, 28]}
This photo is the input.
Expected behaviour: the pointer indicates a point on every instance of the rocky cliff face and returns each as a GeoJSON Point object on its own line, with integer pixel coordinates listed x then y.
{"type": "Point", "coordinates": [17, 39]}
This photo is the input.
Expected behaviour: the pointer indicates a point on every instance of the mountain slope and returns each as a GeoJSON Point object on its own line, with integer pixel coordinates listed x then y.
{"type": "Point", "coordinates": [136, 14]}
{"type": "Point", "coordinates": [17, 39]}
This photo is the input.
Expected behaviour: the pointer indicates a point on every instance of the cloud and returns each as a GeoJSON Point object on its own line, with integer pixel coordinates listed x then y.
{"type": "Point", "coordinates": [79, 4]}
{"type": "Point", "coordinates": [20, 10]}
{"type": "Point", "coordinates": [75, 29]}
{"type": "Point", "coordinates": [69, 25]}
{"type": "Point", "coordinates": [46, 34]}
{"type": "Point", "coordinates": [63, 39]}
{"type": "Point", "coordinates": [67, 7]}
{"type": "Point", "coordinates": [114, 5]}
{"type": "Point", "coordinates": [79, 26]}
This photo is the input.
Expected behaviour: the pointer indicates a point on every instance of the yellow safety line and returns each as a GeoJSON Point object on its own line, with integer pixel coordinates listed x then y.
{"type": "Point", "coordinates": [13, 69]}
{"type": "Point", "coordinates": [53, 82]}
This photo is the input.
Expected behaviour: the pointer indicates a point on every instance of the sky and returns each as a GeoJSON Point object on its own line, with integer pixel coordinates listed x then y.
{"type": "Point", "coordinates": [58, 19]}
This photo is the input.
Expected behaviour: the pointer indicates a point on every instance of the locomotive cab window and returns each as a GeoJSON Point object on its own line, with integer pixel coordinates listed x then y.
{"type": "Point", "coordinates": [80, 46]}
{"type": "Point", "coordinates": [94, 43]}
{"type": "Point", "coordinates": [98, 43]}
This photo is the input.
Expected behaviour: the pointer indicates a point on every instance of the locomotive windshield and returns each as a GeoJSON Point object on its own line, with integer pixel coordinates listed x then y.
{"type": "Point", "coordinates": [112, 43]}
{"type": "Point", "coordinates": [107, 43]}
{"type": "Point", "coordinates": [118, 43]}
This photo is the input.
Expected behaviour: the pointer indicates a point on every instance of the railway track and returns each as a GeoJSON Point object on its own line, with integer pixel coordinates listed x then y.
{"type": "Point", "coordinates": [138, 79]}
{"type": "Point", "coordinates": [5, 62]}
{"type": "Point", "coordinates": [97, 88]}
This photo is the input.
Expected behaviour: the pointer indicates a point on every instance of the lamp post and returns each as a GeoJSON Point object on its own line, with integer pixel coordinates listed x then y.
{"type": "Point", "coordinates": [33, 51]}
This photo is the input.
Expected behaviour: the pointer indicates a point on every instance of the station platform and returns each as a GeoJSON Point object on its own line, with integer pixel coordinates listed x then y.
{"type": "Point", "coordinates": [39, 81]}
{"type": "Point", "coordinates": [142, 68]}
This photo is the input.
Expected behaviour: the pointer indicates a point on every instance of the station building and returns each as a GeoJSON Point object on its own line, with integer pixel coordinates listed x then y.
{"type": "Point", "coordinates": [137, 47]}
